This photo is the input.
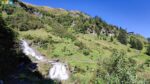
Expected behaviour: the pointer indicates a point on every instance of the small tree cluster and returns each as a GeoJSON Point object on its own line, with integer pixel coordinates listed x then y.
{"type": "Point", "coordinates": [122, 37]}
{"type": "Point", "coordinates": [62, 32]}
{"type": "Point", "coordinates": [119, 70]}
{"type": "Point", "coordinates": [9, 9]}
{"type": "Point", "coordinates": [136, 43]}
{"type": "Point", "coordinates": [23, 21]}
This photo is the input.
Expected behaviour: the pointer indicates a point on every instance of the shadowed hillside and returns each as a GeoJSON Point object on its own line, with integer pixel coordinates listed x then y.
{"type": "Point", "coordinates": [14, 65]}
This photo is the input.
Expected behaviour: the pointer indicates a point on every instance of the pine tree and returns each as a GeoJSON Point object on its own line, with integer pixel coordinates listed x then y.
{"type": "Point", "coordinates": [122, 37]}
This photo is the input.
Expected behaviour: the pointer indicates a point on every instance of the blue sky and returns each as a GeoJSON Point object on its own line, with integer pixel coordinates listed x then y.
{"type": "Point", "coordinates": [133, 15]}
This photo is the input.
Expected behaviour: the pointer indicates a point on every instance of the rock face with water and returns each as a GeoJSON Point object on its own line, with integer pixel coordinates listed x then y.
{"type": "Point", "coordinates": [27, 50]}
{"type": "Point", "coordinates": [57, 72]}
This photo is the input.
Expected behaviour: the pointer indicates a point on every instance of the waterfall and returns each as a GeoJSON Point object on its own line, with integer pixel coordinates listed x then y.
{"type": "Point", "coordinates": [57, 72]}
{"type": "Point", "coordinates": [27, 50]}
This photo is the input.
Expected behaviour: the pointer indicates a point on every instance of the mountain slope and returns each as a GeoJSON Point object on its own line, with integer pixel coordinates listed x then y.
{"type": "Point", "coordinates": [85, 43]}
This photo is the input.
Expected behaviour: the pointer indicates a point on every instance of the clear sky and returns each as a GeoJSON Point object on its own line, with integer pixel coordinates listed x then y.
{"type": "Point", "coordinates": [133, 15]}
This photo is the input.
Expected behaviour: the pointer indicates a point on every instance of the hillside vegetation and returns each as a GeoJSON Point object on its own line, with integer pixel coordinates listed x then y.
{"type": "Point", "coordinates": [96, 52]}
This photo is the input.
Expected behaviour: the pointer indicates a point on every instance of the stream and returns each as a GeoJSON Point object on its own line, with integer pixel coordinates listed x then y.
{"type": "Point", "coordinates": [58, 71]}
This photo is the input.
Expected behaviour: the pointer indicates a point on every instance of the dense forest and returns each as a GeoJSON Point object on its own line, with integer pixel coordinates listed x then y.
{"type": "Point", "coordinates": [96, 52]}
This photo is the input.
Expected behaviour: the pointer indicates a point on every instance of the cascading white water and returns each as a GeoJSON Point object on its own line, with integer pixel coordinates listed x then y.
{"type": "Point", "coordinates": [57, 72]}
{"type": "Point", "coordinates": [27, 50]}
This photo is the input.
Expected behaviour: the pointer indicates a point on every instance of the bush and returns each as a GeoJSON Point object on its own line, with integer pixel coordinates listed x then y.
{"type": "Point", "coordinates": [86, 52]}
{"type": "Point", "coordinates": [23, 26]}
{"type": "Point", "coordinates": [129, 50]}
{"type": "Point", "coordinates": [62, 32]}
{"type": "Point", "coordinates": [9, 9]}
{"type": "Point", "coordinates": [24, 21]}
{"type": "Point", "coordinates": [43, 43]}
{"type": "Point", "coordinates": [69, 35]}
{"type": "Point", "coordinates": [122, 37]}
{"type": "Point", "coordinates": [147, 63]}
{"type": "Point", "coordinates": [111, 39]}
{"type": "Point", "coordinates": [121, 69]}
{"type": "Point", "coordinates": [28, 37]}
{"type": "Point", "coordinates": [148, 50]}
{"type": "Point", "coordinates": [118, 70]}
{"type": "Point", "coordinates": [79, 44]}
{"type": "Point", "coordinates": [136, 43]}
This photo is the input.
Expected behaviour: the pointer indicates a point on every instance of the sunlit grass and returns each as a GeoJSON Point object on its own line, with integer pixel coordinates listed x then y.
{"type": "Point", "coordinates": [66, 50]}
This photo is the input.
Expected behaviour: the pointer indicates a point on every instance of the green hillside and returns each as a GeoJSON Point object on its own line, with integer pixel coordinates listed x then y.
{"type": "Point", "coordinates": [96, 52]}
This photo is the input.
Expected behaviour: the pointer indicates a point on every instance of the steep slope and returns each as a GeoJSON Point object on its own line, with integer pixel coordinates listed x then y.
{"type": "Point", "coordinates": [87, 44]}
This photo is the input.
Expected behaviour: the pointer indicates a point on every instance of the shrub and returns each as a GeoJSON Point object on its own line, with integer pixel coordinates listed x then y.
{"type": "Point", "coordinates": [104, 38]}
{"type": "Point", "coordinates": [121, 69]}
{"type": "Point", "coordinates": [79, 44]}
{"type": "Point", "coordinates": [136, 43]}
{"type": "Point", "coordinates": [28, 37]}
{"type": "Point", "coordinates": [9, 9]}
{"type": "Point", "coordinates": [71, 36]}
{"type": "Point", "coordinates": [23, 26]}
{"type": "Point", "coordinates": [147, 63]}
{"type": "Point", "coordinates": [129, 50]}
{"type": "Point", "coordinates": [43, 43]}
{"type": "Point", "coordinates": [24, 21]}
{"type": "Point", "coordinates": [79, 69]}
{"type": "Point", "coordinates": [122, 37]}
{"type": "Point", "coordinates": [118, 70]}
{"type": "Point", "coordinates": [62, 32]}
{"type": "Point", "coordinates": [48, 28]}
{"type": "Point", "coordinates": [86, 52]}
{"type": "Point", "coordinates": [148, 50]}
{"type": "Point", "coordinates": [111, 39]}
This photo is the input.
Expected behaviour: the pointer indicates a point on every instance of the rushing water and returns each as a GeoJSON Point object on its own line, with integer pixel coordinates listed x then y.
{"type": "Point", "coordinates": [27, 50]}
{"type": "Point", "coordinates": [57, 72]}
